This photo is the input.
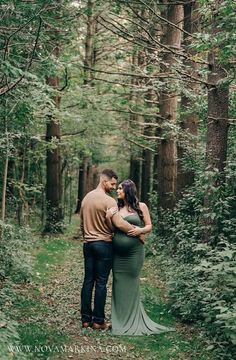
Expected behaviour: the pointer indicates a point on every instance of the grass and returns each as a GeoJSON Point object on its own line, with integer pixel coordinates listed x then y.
{"type": "Point", "coordinates": [51, 255]}
{"type": "Point", "coordinates": [35, 335]}
{"type": "Point", "coordinates": [30, 310]}
{"type": "Point", "coordinates": [169, 346]}
{"type": "Point", "coordinates": [47, 311]}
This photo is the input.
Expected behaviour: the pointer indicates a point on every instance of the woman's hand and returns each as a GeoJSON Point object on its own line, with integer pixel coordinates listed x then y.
{"type": "Point", "coordinates": [142, 238]}
{"type": "Point", "coordinates": [110, 212]}
{"type": "Point", "coordinates": [136, 231]}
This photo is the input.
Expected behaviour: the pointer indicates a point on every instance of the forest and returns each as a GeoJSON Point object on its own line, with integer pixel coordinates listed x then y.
{"type": "Point", "coordinates": [148, 89]}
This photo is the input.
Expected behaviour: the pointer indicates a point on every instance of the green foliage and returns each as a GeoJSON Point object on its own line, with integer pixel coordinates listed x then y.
{"type": "Point", "coordinates": [96, 123]}
{"type": "Point", "coordinates": [16, 243]}
{"type": "Point", "coordinates": [205, 294]}
{"type": "Point", "coordinates": [222, 15]}
{"type": "Point", "coordinates": [15, 268]}
{"type": "Point", "coordinates": [201, 276]}
{"type": "Point", "coordinates": [8, 335]}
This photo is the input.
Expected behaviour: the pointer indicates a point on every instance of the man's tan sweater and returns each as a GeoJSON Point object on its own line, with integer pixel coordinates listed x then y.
{"type": "Point", "coordinates": [93, 217]}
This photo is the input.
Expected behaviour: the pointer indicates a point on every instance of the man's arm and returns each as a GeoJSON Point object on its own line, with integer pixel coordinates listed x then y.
{"type": "Point", "coordinates": [108, 220]}
{"type": "Point", "coordinates": [120, 223]}
{"type": "Point", "coordinates": [116, 219]}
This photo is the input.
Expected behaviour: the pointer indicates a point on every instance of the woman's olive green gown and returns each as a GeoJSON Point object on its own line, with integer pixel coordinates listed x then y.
{"type": "Point", "coordinates": [128, 314]}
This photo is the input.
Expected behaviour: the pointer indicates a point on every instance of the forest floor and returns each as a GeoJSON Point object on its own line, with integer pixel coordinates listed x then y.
{"type": "Point", "coordinates": [48, 313]}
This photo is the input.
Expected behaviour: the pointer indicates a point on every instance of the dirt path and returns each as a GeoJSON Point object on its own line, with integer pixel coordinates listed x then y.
{"type": "Point", "coordinates": [62, 296]}
{"type": "Point", "coordinates": [49, 313]}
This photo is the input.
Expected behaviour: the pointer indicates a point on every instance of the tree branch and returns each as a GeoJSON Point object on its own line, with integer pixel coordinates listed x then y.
{"type": "Point", "coordinates": [132, 41]}
{"type": "Point", "coordinates": [66, 80]}
{"type": "Point", "coordinates": [123, 74]}
{"type": "Point", "coordinates": [7, 88]}
{"type": "Point", "coordinates": [130, 111]}
{"type": "Point", "coordinates": [75, 133]}
{"type": "Point", "coordinates": [166, 20]}
{"type": "Point", "coordinates": [140, 145]}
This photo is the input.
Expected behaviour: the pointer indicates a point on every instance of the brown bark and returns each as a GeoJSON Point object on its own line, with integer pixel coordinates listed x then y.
{"type": "Point", "coordinates": [10, 179]}
{"type": "Point", "coordinates": [89, 180]}
{"type": "Point", "coordinates": [135, 156]}
{"type": "Point", "coordinates": [146, 173]}
{"type": "Point", "coordinates": [135, 171]}
{"type": "Point", "coordinates": [85, 180]}
{"type": "Point", "coordinates": [95, 176]}
{"type": "Point", "coordinates": [166, 157]}
{"type": "Point", "coordinates": [5, 176]}
{"type": "Point", "coordinates": [4, 187]}
{"type": "Point", "coordinates": [82, 183]}
{"type": "Point", "coordinates": [147, 159]}
{"type": "Point", "coordinates": [217, 129]}
{"type": "Point", "coordinates": [53, 166]}
{"type": "Point", "coordinates": [189, 120]}
{"type": "Point", "coordinates": [154, 173]}
{"type": "Point", "coordinates": [147, 156]}
{"type": "Point", "coordinates": [89, 48]}
{"type": "Point", "coordinates": [22, 204]}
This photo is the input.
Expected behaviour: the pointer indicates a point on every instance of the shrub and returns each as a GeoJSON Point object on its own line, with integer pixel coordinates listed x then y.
{"type": "Point", "coordinates": [201, 276]}
{"type": "Point", "coordinates": [15, 260]}
{"type": "Point", "coordinates": [8, 335]}
{"type": "Point", "coordinates": [15, 267]}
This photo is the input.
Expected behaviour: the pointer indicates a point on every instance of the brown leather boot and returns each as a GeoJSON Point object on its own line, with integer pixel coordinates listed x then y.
{"type": "Point", "coordinates": [104, 326]}
{"type": "Point", "coordinates": [86, 324]}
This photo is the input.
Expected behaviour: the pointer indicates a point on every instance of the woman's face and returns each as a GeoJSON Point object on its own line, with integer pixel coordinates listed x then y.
{"type": "Point", "coordinates": [120, 192]}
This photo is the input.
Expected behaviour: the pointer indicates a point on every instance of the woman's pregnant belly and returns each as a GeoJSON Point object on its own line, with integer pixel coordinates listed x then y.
{"type": "Point", "coordinates": [123, 243]}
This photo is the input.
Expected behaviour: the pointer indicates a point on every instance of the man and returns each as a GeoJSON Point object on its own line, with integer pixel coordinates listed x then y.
{"type": "Point", "coordinates": [97, 248]}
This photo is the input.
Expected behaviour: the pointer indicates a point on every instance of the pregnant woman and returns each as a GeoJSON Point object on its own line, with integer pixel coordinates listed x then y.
{"type": "Point", "coordinates": [128, 314]}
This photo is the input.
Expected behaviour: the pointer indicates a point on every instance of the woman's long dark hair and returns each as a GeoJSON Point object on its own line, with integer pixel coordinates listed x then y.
{"type": "Point", "coordinates": [131, 198]}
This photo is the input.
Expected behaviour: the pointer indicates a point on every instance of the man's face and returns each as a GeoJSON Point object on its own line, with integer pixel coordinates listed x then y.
{"type": "Point", "coordinates": [110, 184]}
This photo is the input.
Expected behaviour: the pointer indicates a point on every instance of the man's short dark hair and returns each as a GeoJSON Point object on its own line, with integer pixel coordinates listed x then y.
{"type": "Point", "coordinates": [109, 173]}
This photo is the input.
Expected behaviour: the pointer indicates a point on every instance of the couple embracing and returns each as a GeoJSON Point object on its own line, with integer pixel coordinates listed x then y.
{"type": "Point", "coordinates": [113, 236]}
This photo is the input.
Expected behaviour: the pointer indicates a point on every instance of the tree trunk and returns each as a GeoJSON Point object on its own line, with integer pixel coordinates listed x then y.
{"type": "Point", "coordinates": [89, 62]}
{"type": "Point", "coordinates": [217, 129]}
{"type": "Point", "coordinates": [154, 172]}
{"type": "Point", "coordinates": [89, 47]}
{"type": "Point", "coordinates": [4, 187]}
{"type": "Point", "coordinates": [5, 173]}
{"type": "Point", "coordinates": [10, 181]}
{"type": "Point", "coordinates": [166, 158]}
{"type": "Point", "coordinates": [21, 203]}
{"type": "Point", "coordinates": [89, 182]}
{"type": "Point", "coordinates": [71, 205]}
{"type": "Point", "coordinates": [53, 164]}
{"type": "Point", "coordinates": [82, 183]}
{"type": "Point", "coordinates": [138, 159]}
{"type": "Point", "coordinates": [146, 174]}
{"type": "Point", "coordinates": [135, 171]}
{"type": "Point", "coordinates": [135, 157]}
{"type": "Point", "coordinates": [147, 158]}
{"type": "Point", "coordinates": [189, 120]}
{"type": "Point", "coordinates": [95, 176]}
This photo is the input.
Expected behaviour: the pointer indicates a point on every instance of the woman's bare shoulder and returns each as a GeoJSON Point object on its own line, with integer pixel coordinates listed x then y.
{"type": "Point", "coordinates": [143, 206]}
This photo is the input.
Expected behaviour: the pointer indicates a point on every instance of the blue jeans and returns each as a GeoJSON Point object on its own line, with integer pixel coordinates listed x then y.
{"type": "Point", "coordinates": [97, 266]}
